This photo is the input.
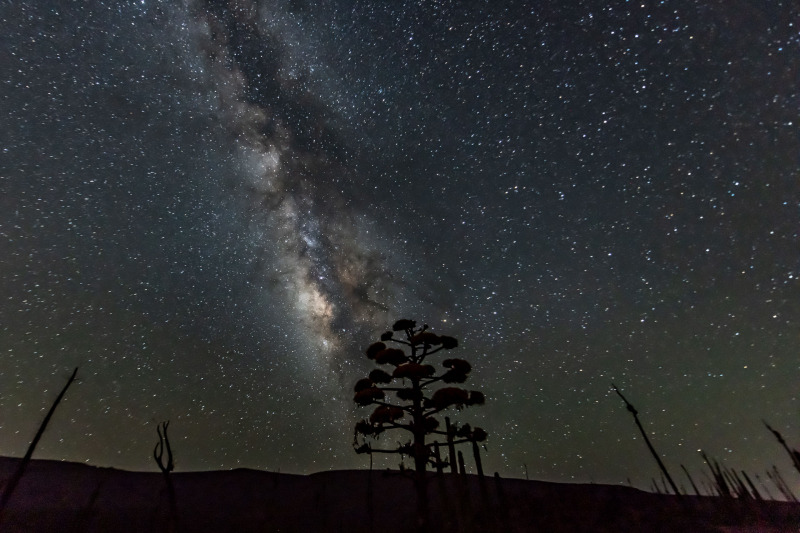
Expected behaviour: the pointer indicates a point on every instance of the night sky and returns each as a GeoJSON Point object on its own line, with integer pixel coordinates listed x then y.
{"type": "Point", "coordinates": [212, 208]}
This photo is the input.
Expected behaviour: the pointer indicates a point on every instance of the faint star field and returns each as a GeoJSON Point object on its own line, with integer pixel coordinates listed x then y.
{"type": "Point", "coordinates": [213, 207]}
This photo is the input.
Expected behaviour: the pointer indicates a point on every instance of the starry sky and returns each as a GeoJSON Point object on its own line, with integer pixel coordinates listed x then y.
{"type": "Point", "coordinates": [213, 207]}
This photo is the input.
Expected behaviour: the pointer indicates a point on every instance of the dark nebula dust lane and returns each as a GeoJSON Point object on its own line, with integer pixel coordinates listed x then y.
{"type": "Point", "coordinates": [213, 207]}
{"type": "Point", "coordinates": [296, 176]}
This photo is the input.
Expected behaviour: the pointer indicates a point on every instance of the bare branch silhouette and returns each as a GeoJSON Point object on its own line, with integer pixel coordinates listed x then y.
{"type": "Point", "coordinates": [635, 414]}
{"type": "Point", "coordinates": [12, 483]}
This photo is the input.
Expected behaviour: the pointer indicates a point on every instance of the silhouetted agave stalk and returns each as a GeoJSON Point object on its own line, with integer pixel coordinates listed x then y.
{"type": "Point", "coordinates": [12, 483]}
{"type": "Point", "coordinates": [691, 481]}
{"type": "Point", "coordinates": [764, 487]}
{"type": "Point", "coordinates": [635, 414]}
{"type": "Point", "coordinates": [730, 483]}
{"type": "Point", "coordinates": [405, 399]}
{"type": "Point", "coordinates": [723, 488]}
{"type": "Point", "coordinates": [756, 494]}
{"type": "Point", "coordinates": [793, 454]}
{"type": "Point", "coordinates": [778, 481]}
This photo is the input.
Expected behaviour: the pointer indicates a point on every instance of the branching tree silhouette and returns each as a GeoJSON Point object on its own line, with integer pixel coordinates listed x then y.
{"type": "Point", "coordinates": [166, 467]}
{"type": "Point", "coordinates": [415, 411]}
{"type": "Point", "coordinates": [415, 408]}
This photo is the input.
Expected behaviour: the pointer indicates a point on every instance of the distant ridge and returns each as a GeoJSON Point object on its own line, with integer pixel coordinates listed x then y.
{"type": "Point", "coordinates": [63, 496]}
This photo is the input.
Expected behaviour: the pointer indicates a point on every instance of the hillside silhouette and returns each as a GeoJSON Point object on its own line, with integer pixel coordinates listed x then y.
{"type": "Point", "coordinates": [62, 496]}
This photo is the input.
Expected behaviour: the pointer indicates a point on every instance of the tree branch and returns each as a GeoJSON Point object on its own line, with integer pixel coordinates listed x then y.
{"type": "Point", "coordinates": [385, 404]}
{"type": "Point", "coordinates": [391, 425]}
{"type": "Point", "coordinates": [400, 341]}
{"type": "Point", "coordinates": [440, 348]}
{"type": "Point", "coordinates": [430, 380]}
{"type": "Point", "coordinates": [440, 409]}
{"type": "Point", "coordinates": [379, 450]}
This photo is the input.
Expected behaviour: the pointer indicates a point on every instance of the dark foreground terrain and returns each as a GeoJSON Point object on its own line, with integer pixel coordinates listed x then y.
{"type": "Point", "coordinates": [59, 496]}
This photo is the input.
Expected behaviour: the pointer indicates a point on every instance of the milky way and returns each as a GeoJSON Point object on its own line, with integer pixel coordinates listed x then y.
{"type": "Point", "coordinates": [295, 171]}
{"type": "Point", "coordinates": [213, 207]}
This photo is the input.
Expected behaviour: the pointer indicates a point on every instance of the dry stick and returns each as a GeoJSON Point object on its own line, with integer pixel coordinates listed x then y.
{"type": "Point", "coordinates": [635, 414]}
{"type": "Point", "coordinates": [709, 484]}
{"type": "Point", "coordinates": [792, 453]}
{"type": "Point", "coordinates": [777, 483]}
{"type": "Point", "coordinates": [664, 484]}
{"type": "Point", "coordinates": [696, 491]}
{"type": "Point", "coordinates": [738, 490]}
{"type": "Point", "coordinates": [716, 470]}
{"type": "Point", "coordinates": [370, 499]}
{"type": "Point", "coordinates": [654, 486]}
{"type": "Point", "coordinates": [756, 494]}
{"type": "Point", "coordinates": [484, 502]}
{"type": "Point", "coordinates": [764, 486]}
{"type": "Point", "coordinates": [477, 453]}
{"type": "Point", "coordinates": [777, 478]}
{"type": "Point", "coordinates": [438, 457]}
{"type": "Point", "coordinates": [158, 454]}
{"type": "Point", "coordinates": [461, 468]}
{"type": "Point", "coordinates": [451, 449]}
{"type": "Point", "coordinates": [12, 483]}
{"type": "Point", "coordinates": [744, 488]}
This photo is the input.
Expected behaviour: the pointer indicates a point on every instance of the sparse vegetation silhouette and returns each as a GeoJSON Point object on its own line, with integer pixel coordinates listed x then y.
{"type": "Point", "coordinates": [726, 483]}
{"type": "Point", "coordinates": [8, 490]}
{"type": "Point", "coordinates": [416, 404]}
{"type": "Point", "coordinates": [415, 410]}
{"type": "Point", "coordinates": [55, 496]}
{"type": "Point", "coordinates": [166, 466]}
{"type": "Point", "coordinates": [793, 453]}
{"type": "Point", "coordinates": [635, 414]}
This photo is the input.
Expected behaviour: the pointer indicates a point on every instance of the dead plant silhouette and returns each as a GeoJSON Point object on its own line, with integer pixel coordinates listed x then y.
{"type": "Point", "coordinates": [635, 414]}
{"type": "Point", "coordinates": [413, 403]}
{"type": "Point", "coordinates": [8, 490]}
{"type": "Point", "coordinates": [793, 454]}
{"type": "Point", "coordinates": [161, 447]}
